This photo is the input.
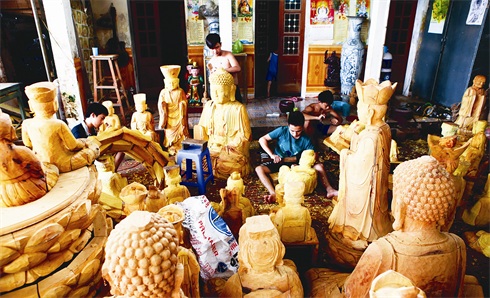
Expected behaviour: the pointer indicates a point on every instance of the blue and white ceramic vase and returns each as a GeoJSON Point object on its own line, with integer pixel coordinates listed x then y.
{"type": "Point", "coordinates": [352, 57]}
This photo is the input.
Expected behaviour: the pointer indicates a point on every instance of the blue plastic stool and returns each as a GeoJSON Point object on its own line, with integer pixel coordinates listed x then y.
{"type": "Point", "coordinates": [194, 153]}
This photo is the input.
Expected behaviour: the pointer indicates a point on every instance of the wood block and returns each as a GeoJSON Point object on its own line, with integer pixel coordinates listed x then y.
{"type": "Point", "coordinates": [121, 146]}
{"type": "Point", "coordinates": [194, 142]}
{"type": "Point", "coordinates": [143, 153]}
{"type": "Point", "coordinates": [136, 137]}
{"type": "Point", "coordinates": [109, 137]}
{"type": "Point", "coordinates": [157, 153]}
{"type": "Point", "coordinates": [58, 279]}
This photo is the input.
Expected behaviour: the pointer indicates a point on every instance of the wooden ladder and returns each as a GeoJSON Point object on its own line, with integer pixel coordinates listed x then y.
{"type": "Point", "coordinates": [113, 83]}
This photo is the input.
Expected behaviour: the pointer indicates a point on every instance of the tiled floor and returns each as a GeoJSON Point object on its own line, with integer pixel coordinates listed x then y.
{"type": "Point", "coordinates": [259, 108]}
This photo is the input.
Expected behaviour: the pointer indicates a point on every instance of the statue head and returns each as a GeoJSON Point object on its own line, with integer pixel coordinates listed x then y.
{"type": "Point", "coordinates": [449, 129]}
{"type": "Point", "coordinates": [261, 248]}
{"type": "Point", "coordinates": [373, 100]}
{"type": "Point", "coordinates": [140, 102]}
{"type": "Point", "coordinates": [171, 76]}
{"type": "Point", "coordinates": [222, 86]}
{"type": "Point", "coordinates": [448, 142]}
{"type": "Point", "coordinates": [172, 175]}
{"type": "Point", "coordinates": [195, 70]}
{"type": "Point", "coordinates": [189, 65]}
{"type": "Point", "coordinates": [235, 180]}
{"type": "Point", "coordinates": [307, 158]}
{"type": "Point", "coordinates": [42, 99]}
{"type": "Point", "coordinates": [7, 131]}
{"type": "Point", "coordinates": [479, 81]}
{"type": "Point", "coordinates": [393, 284]}
{"type": "Point", "coordinates": [422, 190]}
{"type": "Point", "coordinates": [110, 107]}
{"type": "Point", "coordinates": [293, 192]}
{"type": "Point", "coordinates": [479, 126]}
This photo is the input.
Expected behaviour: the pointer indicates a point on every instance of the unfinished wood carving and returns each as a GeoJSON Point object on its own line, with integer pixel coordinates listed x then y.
{"type": "Point", "coordinates": [174, 192]}
{"type": "Point", "coordinates": [231, 212]}
{"type": "Point", "coordinates": [436, 263]}
{"type": "Point", "coordinates": [133, 196]}
{"type": "Point", "coordinates": [141, 257]}
{"type": "Point", "coordinates": [155, 200]}
{"type": "Point", "coordinates": [235, 181]}
{"type": "Point", "coordinates": [446, 150]}
{"type": "Point", "coordinates": [362, 212]}
{"type": "Point", "coordinates": [303, 172]}
{"type": "Point", "coordinates": [449, 129]}
{"type": "Point", "coordinates": [139, 147]}
{"type": "Point", "coordinates": [478, 214]}
{"type": "Point", "coordinates": [340, 139]}
{"type": "Point", "coordinates": [293, 221]}
{"type": "Point", "coordinates": [476, 149]}
{"type": "Point", "coordinates": [172, 106]}
{"type": "Point", "coordinates": [112, 120]}
{"type": "Point", "coordinates": [261, 272]}
{"type": "Point", "coordinates": [23, 178]}
{"type": "Point", "coordinates": [51, 139]}
{"type": "Point", "coordinates": [142, 119]}
{"type": "Point", "coordinates": [471, 105]}
{"type": "Point", "coordinates": [112, 184]}
{"type": "Point", "coordinates": [225, 125]}
{"type": "Point", "coordinates": [36, 239]}
{"type": "Point", "coordinates": [479, 241]}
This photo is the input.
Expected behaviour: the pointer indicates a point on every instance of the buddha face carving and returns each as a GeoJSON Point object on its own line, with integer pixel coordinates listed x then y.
{"type": "Point", "coordinates": [222, 86]}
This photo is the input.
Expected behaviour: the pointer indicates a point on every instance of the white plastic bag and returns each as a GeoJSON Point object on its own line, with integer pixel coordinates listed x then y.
{"type": "Point", "coordinates": [211, 238]}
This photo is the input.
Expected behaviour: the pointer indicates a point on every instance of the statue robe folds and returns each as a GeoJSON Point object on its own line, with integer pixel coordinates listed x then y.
{"type": "Point", "coordinates": [175, 116]}
{"type": "Point", "coordinates": [227, 129]}
{"type": "Point", "coordinates": [362, 211]}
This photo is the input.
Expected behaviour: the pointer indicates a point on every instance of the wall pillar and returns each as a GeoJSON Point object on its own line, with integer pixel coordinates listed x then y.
{"type": "Point", "coordinates": [377, 34]}
{"type": "Point", "coordinates": [64, 46]}
{"type": "Point", "coordinates": [225, 24]}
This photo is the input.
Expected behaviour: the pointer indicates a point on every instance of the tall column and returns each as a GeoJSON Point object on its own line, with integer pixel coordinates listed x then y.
{"type": "Point", "coordinates": [64, 46]}
{"type": "Point", "coordinates": [225, 24]}
{"type": "Point", "coordinates": [380, 10]}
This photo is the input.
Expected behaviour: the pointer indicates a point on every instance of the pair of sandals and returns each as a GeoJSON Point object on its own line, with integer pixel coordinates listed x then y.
{"type": "Point", "coordinates": [296, 99]}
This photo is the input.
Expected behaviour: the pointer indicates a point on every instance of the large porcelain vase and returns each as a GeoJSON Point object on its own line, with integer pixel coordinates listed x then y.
{"type": "Point", "coordinates": [352, 57]}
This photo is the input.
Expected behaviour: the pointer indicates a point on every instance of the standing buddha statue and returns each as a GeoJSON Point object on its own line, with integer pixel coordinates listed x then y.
{"type": "Point", "coordinates": [172, 105]}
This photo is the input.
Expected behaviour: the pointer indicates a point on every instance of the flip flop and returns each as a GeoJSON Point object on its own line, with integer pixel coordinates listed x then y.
{"type": "Point", "coordinates": [296, 99]}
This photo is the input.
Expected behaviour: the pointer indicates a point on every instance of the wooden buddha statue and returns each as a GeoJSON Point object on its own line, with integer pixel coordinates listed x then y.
{"type": "Point", "coordinates": [112, 120]}
{"type": "Point", "coordinates": [142, 120]}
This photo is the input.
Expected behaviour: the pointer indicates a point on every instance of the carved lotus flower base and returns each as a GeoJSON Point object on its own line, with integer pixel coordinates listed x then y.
{"type": "Point", "coordinates": [342, 254]}
{"type": "Point", "coordinates": [53, 247]}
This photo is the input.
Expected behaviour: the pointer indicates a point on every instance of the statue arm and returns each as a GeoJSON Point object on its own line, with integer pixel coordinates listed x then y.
{"type": "Point", "coordinates": [69, 140]}
{"type": "Point", "coordinates": [200, 130]}
{"type": "Point", "coordinates": [25, 138]}
{"type": "Point", "coordinates": [162, 109]}
{"type": "Point", "coordinates": [133, 122]}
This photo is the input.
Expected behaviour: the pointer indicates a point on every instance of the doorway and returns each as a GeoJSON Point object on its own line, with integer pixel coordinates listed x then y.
{"type": "Point", "coordinates": [159, 39]}
{"type": "Point", "coordinates": [398, 38]}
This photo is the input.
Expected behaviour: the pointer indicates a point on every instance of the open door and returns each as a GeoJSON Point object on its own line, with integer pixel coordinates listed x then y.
{"type": "Point", "coordinates": [266, 28]}
{"type": "Point", "coordinates": [399, 37]}
{"type": "Point", "coordinates": [291, 42]}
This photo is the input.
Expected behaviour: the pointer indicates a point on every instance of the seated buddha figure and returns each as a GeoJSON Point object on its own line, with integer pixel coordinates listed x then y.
{"type": "Point", "coordinates": [362, 212]}
{"type": "Point", "coordinates": [112, 120]}
{"type": "Point", "coordinates": [225, 125]}
{"type": "Point", "coordinates": [112, 184]}
{"type": "Point", "coordinates": [236, 181]}
{"type": "Point", "coordinates": [293, 221]}
{"type": "Point", "coordinates": [262, 272]}
{"type": "Point", "coordinates": [423, 192]}
{"type": "Point", "coordinates": [51, 139]}
{"type": "Point", "coordinates": [172, 106]}
{"type": "Point", "coordinates": [174, 192]}
{"type": "Point", "coordinates": [472, 105]}
{"type": "Point", "coordinates": [142, 119]}
{"type": "Point", "coordinates": [434, 261]}
{"type": "Point", "coordinates": [303, 172]}
{"type": "Point", "coordinates": [23, 178]}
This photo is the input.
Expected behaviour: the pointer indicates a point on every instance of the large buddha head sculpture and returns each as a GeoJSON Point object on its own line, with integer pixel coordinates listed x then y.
{"type": "Point", "coordinates": [423, 191]}
{"type": "Point", "coordinates": [373, 100]}
{"type": "Point", "coordinates": [222, 86]}
{"type": "Point", "coordinates": [42, 97]}
{"type": "Point", "coordinates": [261, 249]}
{"type": "Point", "coordinates": [171, 76]}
